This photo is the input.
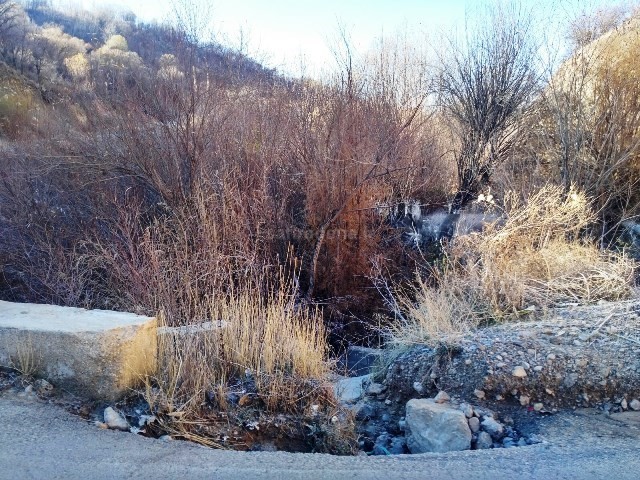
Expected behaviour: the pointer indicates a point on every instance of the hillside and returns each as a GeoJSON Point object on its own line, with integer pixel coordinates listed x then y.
{"type": "Point", "coordinates": [149, 41]}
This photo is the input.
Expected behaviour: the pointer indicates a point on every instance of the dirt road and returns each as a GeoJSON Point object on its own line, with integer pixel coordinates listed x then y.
{"type": "Point", "coordinates": [43, 441]}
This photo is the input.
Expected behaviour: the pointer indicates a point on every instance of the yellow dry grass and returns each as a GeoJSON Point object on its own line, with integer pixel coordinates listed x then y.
{"type": "Point", "coordinates": [536, 257]}
{"type": "Point", "coordinates": [431, 314]}
{"type": "Point", "coordinates": [251, 336]}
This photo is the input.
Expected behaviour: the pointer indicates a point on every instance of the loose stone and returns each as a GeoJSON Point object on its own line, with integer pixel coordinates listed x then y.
{"type": "Point", "coordinates": [493, 428]}
{"type": "Point", "coordinates": [519, 372]}
{"type": "Point", "coordinates": [114, 420]}
{"type": "Point", "coordinates": [474, 424]}
{"type": "Point", "coordinates": [484, 441]}
{"type": "Point", "coordinates": [375, 389]}
{"type": "Point", "coordinates": [467, 410]}
{"type": "Point", "coordinates": [442, 397]}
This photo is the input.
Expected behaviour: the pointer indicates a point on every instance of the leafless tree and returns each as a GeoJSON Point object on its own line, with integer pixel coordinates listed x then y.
{"type": "Point", "coordinates": [486, 79]}
{"type": "Point", "coordinates": [8, 14]}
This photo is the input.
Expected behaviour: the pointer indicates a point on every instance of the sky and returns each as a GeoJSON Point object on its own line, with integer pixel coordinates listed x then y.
{"type": "Point", "coordinates": [286, 34]}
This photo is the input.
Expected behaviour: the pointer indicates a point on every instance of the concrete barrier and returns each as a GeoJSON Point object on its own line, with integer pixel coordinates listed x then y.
{"type": "Point", "coordinates": [97, 354]}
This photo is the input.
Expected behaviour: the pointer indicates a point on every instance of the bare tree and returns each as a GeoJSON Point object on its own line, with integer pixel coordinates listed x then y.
{"type": "Point", "coordinates": [485, 81]}
{"type": "Point", "coordinates": [9, 19]}
{"type": "Point", "coordinates": [8, 14]}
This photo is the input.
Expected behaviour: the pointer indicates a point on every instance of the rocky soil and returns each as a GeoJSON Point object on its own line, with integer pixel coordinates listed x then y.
{"type": "Point", "coordinates": [514, 373]}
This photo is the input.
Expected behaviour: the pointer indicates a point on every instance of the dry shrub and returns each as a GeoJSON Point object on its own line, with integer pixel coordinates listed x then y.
{"type": "Point", "coordinates": [432, 313]}
{"type": "Point", "coordinates": [537, 256]}
{"type": "Point", "coordinates": [255, 356]}
{"type": "Point", "coordinates": [248, 334]}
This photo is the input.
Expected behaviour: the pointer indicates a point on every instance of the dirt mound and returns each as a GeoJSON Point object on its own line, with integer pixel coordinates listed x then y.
{"type": "Point", "coordinates": [572, 356]}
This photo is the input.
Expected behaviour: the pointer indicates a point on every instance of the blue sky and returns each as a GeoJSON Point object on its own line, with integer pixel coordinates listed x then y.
{"type": "Point", "coordinates": [284, 33]}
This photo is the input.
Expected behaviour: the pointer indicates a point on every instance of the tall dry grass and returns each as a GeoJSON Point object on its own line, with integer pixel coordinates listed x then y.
{"type": "Point", "coordinates": [537, 256]}
{"type": "Point", "coordinates": [430, 313]}
{"type": "Point", "coordinates": [258, 359]}
{"type": "Point", "coordinates": [248, 336]}
{"type": "Point", "coordinates": [540, 257]}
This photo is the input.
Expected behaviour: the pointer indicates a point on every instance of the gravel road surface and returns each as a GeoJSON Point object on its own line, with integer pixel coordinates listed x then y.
{"type": "Point", "coordinates": [43, 441]}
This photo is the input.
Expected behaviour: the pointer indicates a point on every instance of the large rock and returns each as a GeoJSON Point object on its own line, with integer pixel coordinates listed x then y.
{"type": "Point", "coordinates": [97, 354]}
{"type": "Point", "coordinates": [436, 427]}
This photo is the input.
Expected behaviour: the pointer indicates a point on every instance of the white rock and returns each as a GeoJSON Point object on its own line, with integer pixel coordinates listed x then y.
{"type": "Point", "coordinates": [524, 400]}
{"type": "Point", "coordinates": [624, 404]}
{"type": "Point", "coordinates": [484, 441]}
{"type": "Point", "coordinates": [635, 404]}
{"type": "Point", "coordinates": [417, 386]}
{"type": "Point", "coordinates": [479, 394]}
{"type": "Point", "coordinates": [474, 424]}
{"type": "Point", "coordinates": [350, 389]}
{"type": "Point", "coordinates": [375, 389]}
{"type": "Point", "coordinates": [149, 419]}
{"type": "Point", "coordinates": [519, 372]}
{"type": "Point", "coordinates": [538, 406]}
{"type": "Point", "coordinates": [466, 409]}
{"type": "Point", "coordinates": [435, 427]}
{"type": "Point", "coordinates": [442, 397]}
{"type": "Point", "coordinates": [114, 420]}
{"type": "Point", "coordinates": [493, 428]}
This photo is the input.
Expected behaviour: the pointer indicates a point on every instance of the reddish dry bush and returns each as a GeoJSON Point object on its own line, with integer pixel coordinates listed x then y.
{"type": "Point", "coordinates": [185, 178]}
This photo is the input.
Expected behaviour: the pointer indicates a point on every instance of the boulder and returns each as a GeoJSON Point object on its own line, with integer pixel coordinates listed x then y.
{"type": "Point", "coordinates": [436, 427]}
{"type": "Point", "coordinates": [96, 354]}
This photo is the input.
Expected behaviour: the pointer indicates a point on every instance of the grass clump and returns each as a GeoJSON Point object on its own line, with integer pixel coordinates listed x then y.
{"type": "Point", "coordinates": [537, 256]}
{"type": "Point", "coordinates": [433, 312]}
{"type": "Point", "coordinates": [228, 380]}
